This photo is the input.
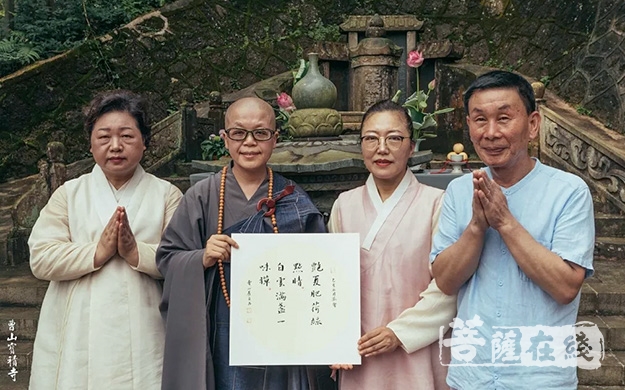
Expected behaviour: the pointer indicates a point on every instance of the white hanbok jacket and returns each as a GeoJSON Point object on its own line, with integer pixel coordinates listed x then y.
{"type": "Point", "coordinates": [99, 328]}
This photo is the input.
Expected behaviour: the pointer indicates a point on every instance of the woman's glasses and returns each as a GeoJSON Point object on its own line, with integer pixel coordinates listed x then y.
{"type": "Point", "coordinates": [372, 142]}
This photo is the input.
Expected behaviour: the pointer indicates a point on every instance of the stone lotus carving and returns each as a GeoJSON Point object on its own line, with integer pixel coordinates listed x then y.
{"type": "Point", "coordinates": [315, 122]}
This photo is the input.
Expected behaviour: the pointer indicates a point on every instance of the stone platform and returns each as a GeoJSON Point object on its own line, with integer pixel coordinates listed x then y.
{"type": "Point", "coordinates": [323, 168]}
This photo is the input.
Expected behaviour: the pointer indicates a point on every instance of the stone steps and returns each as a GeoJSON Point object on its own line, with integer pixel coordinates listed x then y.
{"type": "Point", "coordinates": [609, 225]}
{"type": "Point", "coordinates": [611, 372]}
{"type": "Point", "coordinates": [604, 293]}
{"type": "Point", "coordinates": [18, 287]}
{"type": "Point", "coordinates": [26, 320]}
{"type": "Point", "coordinates": [21, 295]}
{"type": "Point", "coordinates": [10, 193]}
{"type": "Point", "coordinates": [614, 334]}
{"type": "Point", "coordinates": [23, 352]}
{"type": "Point", "coordinates": [610, 248]}
{"type": "Point", "coordinates": [612, 328]}
{"type": "Point", "coordinates": [21, 380]}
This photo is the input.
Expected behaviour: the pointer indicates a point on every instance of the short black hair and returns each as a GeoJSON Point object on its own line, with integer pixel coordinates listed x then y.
{"type": "Point", "coordinates": [503, 79]}
{"type": "Point", "coordinates": [119, 100]}
{"type": "Point", "coordinates": [389, 105]}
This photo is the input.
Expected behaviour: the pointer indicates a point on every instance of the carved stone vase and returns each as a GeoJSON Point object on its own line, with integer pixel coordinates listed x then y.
{"type": "Point", "coordinates": [314, 90]}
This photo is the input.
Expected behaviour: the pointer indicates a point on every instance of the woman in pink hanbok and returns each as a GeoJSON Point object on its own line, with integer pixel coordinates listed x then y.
{"type": "Point", "coordinates": [402, 309]}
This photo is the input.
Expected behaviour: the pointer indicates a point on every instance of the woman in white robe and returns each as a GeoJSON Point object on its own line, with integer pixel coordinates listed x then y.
{"type": "Point", "coordinates": [95, 241]}
{"type": "Point", "coordinates": [401, 306]}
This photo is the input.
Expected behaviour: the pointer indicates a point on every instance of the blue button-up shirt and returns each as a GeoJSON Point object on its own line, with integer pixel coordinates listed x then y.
{"type": "Point", "coordinates": [555, 207]}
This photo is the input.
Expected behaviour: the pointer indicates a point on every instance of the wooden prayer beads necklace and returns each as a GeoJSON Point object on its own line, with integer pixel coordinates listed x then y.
{"type": "Point", "coordinates": [220, 224]}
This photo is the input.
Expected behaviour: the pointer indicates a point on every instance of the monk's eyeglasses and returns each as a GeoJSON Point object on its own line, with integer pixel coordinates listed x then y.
{"type": "Point", "coordinates": [237, 134]}
{"type": "Point", "coordinates": [372, 142]}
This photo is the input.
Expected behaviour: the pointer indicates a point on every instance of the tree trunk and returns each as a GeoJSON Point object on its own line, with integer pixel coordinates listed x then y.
{"type": "Point", "coordinates": [9, 10]}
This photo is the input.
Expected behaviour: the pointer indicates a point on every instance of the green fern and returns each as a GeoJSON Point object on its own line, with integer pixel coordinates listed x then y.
{"type": "Point", "coordinates": [16, 50]}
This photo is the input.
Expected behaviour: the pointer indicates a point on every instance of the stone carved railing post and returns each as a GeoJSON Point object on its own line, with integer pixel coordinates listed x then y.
{"type": "Point", "coordinates": [217, 111]}
{"type": "Point", "coordinates": [196, 129]}
{"type": "Point", "coordinates": [52, 171]}
{"type": "Point", "coordinates": [375, 63]}
{"type": "Point", "coordinates": [539, 93]}
{"type": "Point", "coordinates": [52, 174]}
{"type": "Point", "coordinates": [56, 165]}
{"type": "Point", "coordinates": [190, 146]}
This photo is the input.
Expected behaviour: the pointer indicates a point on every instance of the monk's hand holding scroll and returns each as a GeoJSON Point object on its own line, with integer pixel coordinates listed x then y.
{"type": "Point", "coordinates": [378, 341]}
{"type": "Point", "coordinates": [217, 247]}
{"type": "Point", "coordinates": [126, 243]}
{"type": "Point", "coordinates": [107, 246]}
{"type": "Point", "coordinates": [341, 367]}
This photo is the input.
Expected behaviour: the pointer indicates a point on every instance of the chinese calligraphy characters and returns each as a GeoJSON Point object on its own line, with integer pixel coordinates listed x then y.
{"type": "Point", "coordinates": [11, 344]}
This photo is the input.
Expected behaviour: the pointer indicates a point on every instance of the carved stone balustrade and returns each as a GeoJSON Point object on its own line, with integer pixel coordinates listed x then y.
{"type": "Point", "coordinates": [583, 146]}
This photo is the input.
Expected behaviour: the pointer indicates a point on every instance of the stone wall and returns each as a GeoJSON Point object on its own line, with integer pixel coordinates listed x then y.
{"type": "Point", "coordinates": [596, 82]}
{"type": "Point", "coordinates": [226, 45]}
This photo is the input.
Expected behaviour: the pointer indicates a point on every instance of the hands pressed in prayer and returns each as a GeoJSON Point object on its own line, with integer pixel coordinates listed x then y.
{"type": "Point", "coordinates": [117, 238]}
{"type": "Point", "coordinates": [126, 243]}
{"type": "Point", "coordinates": [493, 202]}
{"type": "Point", "coordinates": [378, 341]}
{"type": "Point", "coordinates": [107, 246]}
{"type": "Point", "coordinates": [218, 247]}
{"type": "Point", "coordinates": [479, 218]}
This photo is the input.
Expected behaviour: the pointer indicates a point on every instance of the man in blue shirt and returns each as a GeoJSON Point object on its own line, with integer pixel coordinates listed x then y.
{"type": "Point", "coordinates": [515, 242]}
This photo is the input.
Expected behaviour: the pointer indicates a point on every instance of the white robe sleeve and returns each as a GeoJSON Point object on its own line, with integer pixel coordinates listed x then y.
{"type": "Point", "coordinates": [53, 255]}
{"type": "Point", "coordinates": [419, 326]}
{"type": "Point", "coordinates": [147, 252]}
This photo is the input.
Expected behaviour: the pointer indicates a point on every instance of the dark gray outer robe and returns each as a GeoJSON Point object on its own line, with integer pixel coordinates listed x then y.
{"type": "Point", "coordinates": [188, 362]}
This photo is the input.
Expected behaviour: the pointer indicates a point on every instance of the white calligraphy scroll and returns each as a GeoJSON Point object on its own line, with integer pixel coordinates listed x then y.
{"type": "Point", "coordinates": [295, 299]}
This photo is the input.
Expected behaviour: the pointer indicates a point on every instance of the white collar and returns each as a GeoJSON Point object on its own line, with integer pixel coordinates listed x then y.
{"type": "Point", "coordinates": [109, 200]}
{"type": "Point", "coordinates": [383, 208]}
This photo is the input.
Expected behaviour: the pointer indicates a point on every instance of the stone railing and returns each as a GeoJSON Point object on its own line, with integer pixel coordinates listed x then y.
{"type": "Point", "coordinates": [583, 146]}
{"type": "Point", "coordinates": [166, 143]}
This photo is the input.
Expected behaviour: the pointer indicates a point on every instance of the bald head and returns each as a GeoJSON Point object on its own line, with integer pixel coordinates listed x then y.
{"type": "Point", "coordinates": [250, 110]}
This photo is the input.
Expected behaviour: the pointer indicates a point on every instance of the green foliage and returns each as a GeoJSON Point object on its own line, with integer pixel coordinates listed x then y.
{"type": "Point", "coordinates": [423, 123]}
{"type": "Point", "coordinates": [213, 148]}
{"type": "Point", "coordinates": [285, 136]}
{"type": "Point", "coordinates": [581, 110]}
{"type": "Point", "coordinates": [282, 119]}
{"type": "Point", "coordinates": [49, 30]}
{"type": "Point", "coordinates": [545, 80]}
{"type": "Point", "coordinates": [16, 51]}
{"type": "Point", "coordinates": [494, 63]}
{"type": "Point", "coordinates": [301, 71]}
{"type": "Point", "coordinates": [515, 66]}
{"type": "Point", "coordinates": [324, 32]}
